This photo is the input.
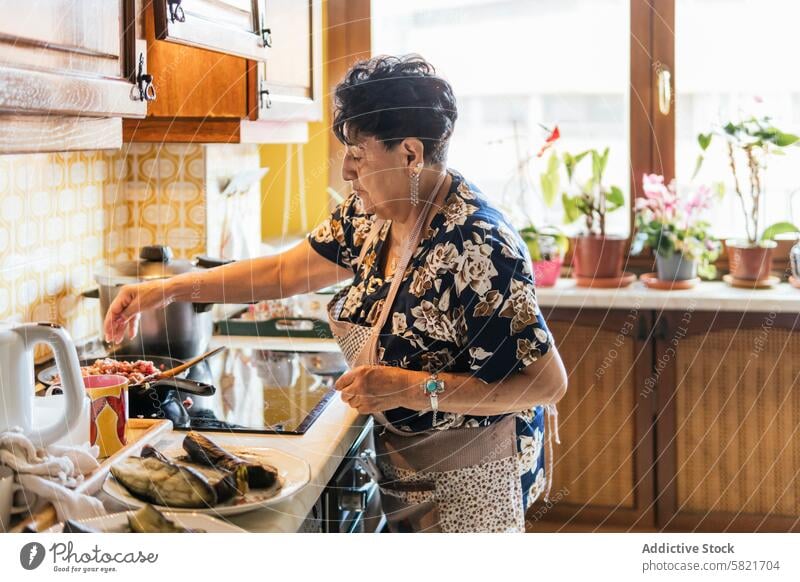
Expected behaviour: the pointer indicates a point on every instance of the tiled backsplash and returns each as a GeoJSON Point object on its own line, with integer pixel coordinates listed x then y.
{"type": "Point", "coordinates": [54, 217]}
{"type": "Point", "coordinates": [158, 197]}
{"type": "Point", "coordinates": [63, 215]}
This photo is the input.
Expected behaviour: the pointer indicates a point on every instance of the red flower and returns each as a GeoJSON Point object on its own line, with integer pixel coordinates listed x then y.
{"type": "Point", "coordinates": [551, 139]}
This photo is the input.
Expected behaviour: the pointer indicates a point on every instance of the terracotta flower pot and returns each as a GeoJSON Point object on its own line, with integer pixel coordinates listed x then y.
{"type": "Point", "coordinates": [750, 262]}
{"type": "Point", "coordinates": [599, 257]}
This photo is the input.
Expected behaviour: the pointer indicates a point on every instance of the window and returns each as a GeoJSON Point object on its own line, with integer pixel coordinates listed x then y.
{"type": "Point", "coordinates": [592, 67]}
{"type": "Point", "coordinates": [516, 65]}
{"type": "Point", "coordinates": [722, 75]}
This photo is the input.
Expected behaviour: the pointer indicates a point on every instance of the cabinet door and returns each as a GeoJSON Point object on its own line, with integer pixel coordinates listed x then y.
{"type": "Point", "coordinates": [728, 450]}
{"type": "Point", "coordinates": [290, 81]}
{"type": "Point", "coordinates": [232, 27]}
{"type": "Point", "coordinates": [61, 57]}
{"type": "Point", "coordinates": [603, 471]}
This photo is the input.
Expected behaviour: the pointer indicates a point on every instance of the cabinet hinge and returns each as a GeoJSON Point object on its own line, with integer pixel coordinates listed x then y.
{"type": "Point", "coordinates": [176, 13]}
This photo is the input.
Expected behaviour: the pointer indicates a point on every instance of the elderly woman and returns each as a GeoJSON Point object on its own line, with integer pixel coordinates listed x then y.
{"type": "Point", "coordinates": [447, 345]}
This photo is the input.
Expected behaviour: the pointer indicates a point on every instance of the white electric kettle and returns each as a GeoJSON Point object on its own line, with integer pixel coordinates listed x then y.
{"type": "Point", "coordinates": [17, 384]}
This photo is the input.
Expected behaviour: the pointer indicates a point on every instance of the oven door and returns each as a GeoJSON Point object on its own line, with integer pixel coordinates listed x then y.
{"type": "Point", "coordinates": [351, 503]}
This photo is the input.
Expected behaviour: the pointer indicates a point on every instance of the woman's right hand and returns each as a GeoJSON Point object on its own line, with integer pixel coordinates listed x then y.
{"type": "Point", "coordinates": [123, 313]}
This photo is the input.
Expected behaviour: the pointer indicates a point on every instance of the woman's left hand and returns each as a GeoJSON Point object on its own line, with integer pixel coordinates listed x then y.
{"type": "Point", "coordinates": [371, 389]}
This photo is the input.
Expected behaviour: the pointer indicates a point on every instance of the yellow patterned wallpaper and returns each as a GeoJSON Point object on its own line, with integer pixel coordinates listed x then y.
{"type": "Point", "coordinates": [52, 228]}
{"type": "Point", "coordinates": [158, 195]}
{"type": "Point", "coordinates": [63, 215]}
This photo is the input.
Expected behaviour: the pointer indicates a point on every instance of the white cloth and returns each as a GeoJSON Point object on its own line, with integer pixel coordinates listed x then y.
{"type": "Point", "coordinates": [52, 473]}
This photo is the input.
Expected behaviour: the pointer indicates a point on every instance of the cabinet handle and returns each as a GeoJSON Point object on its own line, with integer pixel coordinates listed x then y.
{"type": "Point", "coordinates": [664, 91]}
{"type": "Point", "coordinates": [176, 13]}
{"type": "Point", "coordinates": [144, 81]}
{"type": "Point", "coordinates": [266, 36]}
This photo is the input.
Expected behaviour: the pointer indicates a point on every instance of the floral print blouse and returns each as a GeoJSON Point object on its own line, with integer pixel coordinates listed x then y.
{"type": "Point", "coordinates": [466, 304]}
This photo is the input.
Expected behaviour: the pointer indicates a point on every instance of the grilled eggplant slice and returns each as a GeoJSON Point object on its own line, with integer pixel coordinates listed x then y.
{"type": "Point", "coordinates": [150, 520]}
{"type": "Point", "coordinates": [163, 482]}
{"type": "Point", "coordinates": [223, 482]}
{"type": "Point", "coordinates": [204, 451]}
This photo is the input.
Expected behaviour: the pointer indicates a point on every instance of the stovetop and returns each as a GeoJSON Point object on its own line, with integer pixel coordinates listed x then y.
{"type": "Point", "coordinates": [270, 391]}
{"type": "Point", "coordinates": [265, 391]}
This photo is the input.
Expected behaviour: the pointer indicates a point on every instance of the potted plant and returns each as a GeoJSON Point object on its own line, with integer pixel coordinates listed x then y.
{"type": "Point", "coordinates": [670, 225]}
{"type": "Point", "coordinates": [547, 246]}
{"type": "Point", "coordinates": [749, 144]}
{"type": "Point", "coordinates": [597, 255]}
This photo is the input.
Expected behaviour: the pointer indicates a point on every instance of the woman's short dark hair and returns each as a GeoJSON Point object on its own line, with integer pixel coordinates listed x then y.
{"type": "Point", "coordinates": [392, 98]}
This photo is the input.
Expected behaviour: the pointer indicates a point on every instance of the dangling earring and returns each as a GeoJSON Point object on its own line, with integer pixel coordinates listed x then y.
{"type": "Point", "coordinates": [414, 196]}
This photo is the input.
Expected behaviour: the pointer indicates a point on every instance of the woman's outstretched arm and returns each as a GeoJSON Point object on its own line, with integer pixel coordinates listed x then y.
{"type": "Point", "coordinates": [299, 269]}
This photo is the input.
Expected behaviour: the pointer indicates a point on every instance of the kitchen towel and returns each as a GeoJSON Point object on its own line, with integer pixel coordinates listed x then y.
{"type": "Point", "coordinates": [53, 473]}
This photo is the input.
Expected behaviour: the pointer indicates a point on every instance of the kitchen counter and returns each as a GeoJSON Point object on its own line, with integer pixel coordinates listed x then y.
{"type": "Point", "coordinates": [706, 296]}
{"type": "Point", "coordinates": [323, 446]}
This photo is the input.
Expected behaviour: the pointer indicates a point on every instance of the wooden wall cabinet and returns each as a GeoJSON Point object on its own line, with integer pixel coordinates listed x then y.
{"type": "Point", "coordinates": [209, 93]}
{"type": "Point", "coordinates": [678, 420]}
{"type": "Point", "coordinates": [66, 76]}
{"type": "Point", "coordinates": [290, 81]}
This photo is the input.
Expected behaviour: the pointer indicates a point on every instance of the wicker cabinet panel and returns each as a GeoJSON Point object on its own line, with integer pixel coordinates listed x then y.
{"type": "Point", "coordinates": [596, 418]}
{"type": "Point", "coordinates": [737, 445]}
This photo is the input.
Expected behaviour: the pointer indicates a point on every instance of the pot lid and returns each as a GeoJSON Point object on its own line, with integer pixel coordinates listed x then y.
{"type": "Point", "coordinates": [155, 262]}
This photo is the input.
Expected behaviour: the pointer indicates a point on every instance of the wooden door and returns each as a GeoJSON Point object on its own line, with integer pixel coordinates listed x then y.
{"type": "Point", "coordinates": [727, 430]}
{"type": "Point", "coordinates": [289, 83]}
{"type": "Point", "coordinates": [233, 27]}
{"type": "Point", "coordinates": [603, 470]}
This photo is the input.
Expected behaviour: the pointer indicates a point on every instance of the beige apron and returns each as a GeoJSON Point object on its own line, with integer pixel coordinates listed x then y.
{"type": "Point", "coordinates": [455, 480]}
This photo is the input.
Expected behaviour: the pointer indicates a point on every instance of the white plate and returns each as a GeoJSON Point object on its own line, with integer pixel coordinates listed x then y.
{"type": "Point", "coordinates": [118, 522]}
{"type": "Point", "coordinates": [293, 475]}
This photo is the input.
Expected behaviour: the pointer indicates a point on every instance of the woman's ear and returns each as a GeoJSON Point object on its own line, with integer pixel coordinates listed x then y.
{"type": "Point", "coordinates": [413, 151]}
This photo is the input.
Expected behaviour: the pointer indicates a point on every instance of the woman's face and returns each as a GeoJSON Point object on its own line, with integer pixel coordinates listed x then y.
{"type": "Point", "coordinates": [381, 176]}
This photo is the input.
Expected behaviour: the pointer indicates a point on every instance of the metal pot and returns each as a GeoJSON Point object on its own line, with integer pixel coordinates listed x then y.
{"type": "Point", "coordinates": [182, 329]}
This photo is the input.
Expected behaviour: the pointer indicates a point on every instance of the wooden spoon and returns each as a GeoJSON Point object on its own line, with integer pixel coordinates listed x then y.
{"type": "Point", "coordinates": [161, 375]}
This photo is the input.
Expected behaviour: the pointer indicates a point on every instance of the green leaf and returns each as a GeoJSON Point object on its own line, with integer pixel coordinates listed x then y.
{"type": "Point", "coordinates": [571, 212]}
{"type": "Point", "coordinates": [599, 162]}
{"type": "Point", "coordinates": [704, 139]}
{"type": "Point", "coordinates": [778, 228]}
{"type": "Point", "coordinates": [785, 139]}
{"type": "Point", "coordinates": [571, 162]}
{"type": "Point", "coordinates": [615, 198]}
{"type": "Point", "coordinates": [533, 249]}
{"type": "Point", "coordinates": [697, 165]}
{"type": "Point", "coordinates": [550, 181]}
{"type": "Point", "coordinates": [663, 242]}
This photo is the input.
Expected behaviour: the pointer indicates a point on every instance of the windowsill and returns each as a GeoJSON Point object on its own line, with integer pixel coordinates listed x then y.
{"type": "Point", "coordinates": [706, 296]}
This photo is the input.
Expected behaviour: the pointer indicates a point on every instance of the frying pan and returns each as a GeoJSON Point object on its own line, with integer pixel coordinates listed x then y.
{"type": "Point", "coordinates": [159, 399]}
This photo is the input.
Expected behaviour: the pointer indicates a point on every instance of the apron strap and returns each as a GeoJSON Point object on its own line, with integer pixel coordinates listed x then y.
{"type": "Point", "coordinates": [551, 414]}
{"type": "Point", "coordinates": [397, 277]}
